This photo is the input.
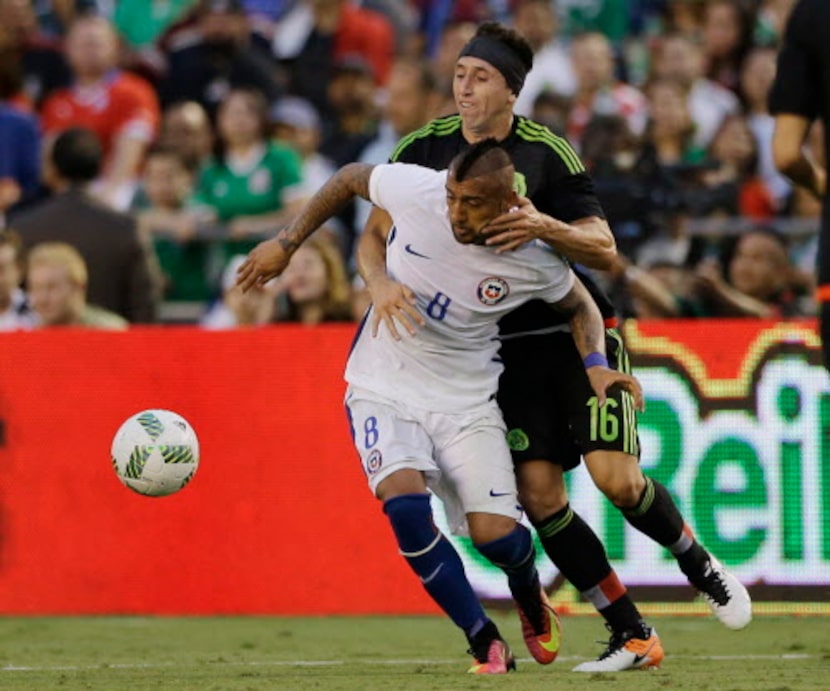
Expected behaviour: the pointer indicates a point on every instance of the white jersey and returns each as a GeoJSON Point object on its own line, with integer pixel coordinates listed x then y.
{"type": "Point", "coordinates": [452, 363]}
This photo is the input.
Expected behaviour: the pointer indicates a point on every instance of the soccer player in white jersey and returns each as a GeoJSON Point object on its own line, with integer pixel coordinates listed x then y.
{"type": "Point", "coordinates": [422, 404]}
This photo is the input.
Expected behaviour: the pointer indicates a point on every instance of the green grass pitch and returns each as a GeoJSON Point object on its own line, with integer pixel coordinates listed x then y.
{"type": "Point", "coordinates": [381, 653]}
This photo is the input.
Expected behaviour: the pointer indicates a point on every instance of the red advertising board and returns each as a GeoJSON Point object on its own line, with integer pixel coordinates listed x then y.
{"type": "Point", "coordinates": [278, 518]}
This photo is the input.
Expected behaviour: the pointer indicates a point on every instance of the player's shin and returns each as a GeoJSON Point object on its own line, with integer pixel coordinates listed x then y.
{"type": "Point", "coordinates": [515, 555]}
{"type": "Point", "coordinates": [657, 516]}
{"type": "Point", "coordinates": [433, 558]}
{"type": "Point", "coordinates": [577, 552]}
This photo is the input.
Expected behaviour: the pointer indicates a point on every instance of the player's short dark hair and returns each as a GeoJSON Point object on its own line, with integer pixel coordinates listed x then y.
{"type": "Point", "coordinates": [482, 158]}
{"type": "Point", "coordinates": [77, 154]}
{"type": "Point", "coordinates": [509, 37]}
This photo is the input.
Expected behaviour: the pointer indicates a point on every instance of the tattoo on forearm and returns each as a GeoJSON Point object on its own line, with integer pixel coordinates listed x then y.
{"type": "Point", "coordinates": [587, 327]}
{"type": "Point", "coordinates": [348, 182]}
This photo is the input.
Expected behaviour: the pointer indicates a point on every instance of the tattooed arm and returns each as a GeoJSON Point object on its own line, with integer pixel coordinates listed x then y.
{"type": "Point", "coordinates": [588, 332]}
{"type": "Point", "coordinates": [269, 259]}
{"type": "Point", "coordinates": [586, 321]}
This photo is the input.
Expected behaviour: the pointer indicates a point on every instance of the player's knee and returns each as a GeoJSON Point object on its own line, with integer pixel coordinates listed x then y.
{"type": "Point", "coordinates": [541, 502]}
{"type": "Point", "coordinates": [486, 527]}
{"type": "Point", "coordinates": [624, 490]}
{"type": "Point", "coordinates": [510, 550]}
{"type": "Point", "coordinates": [542, 490]}
{"type": "Point", "coordinates": [618, 476]}
{"type": "Point", "coordinates": [411, 519]}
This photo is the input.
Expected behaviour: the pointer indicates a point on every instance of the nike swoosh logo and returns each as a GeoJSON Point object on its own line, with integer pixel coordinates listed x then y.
{"type": "Point", "coordinates": [499, 494]}
{"type": "Point", "coordinates": [552, 642]}
{"type": "Point", "coordinates": [433, 574]}
{"type": "Point", "coordinates": [551, 639]}
{"type": "Point", "coordinates": [409, 249]}
{"type": "Point", "coordinates": [643, 656]}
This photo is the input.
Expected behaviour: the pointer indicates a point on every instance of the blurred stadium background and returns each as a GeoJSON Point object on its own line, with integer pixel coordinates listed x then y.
{"type": "Point", "coordinates": [737, 423]}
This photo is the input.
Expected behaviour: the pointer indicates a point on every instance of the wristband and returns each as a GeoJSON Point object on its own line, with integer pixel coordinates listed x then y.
{"type": "Point", "coordinates": [594, 359]}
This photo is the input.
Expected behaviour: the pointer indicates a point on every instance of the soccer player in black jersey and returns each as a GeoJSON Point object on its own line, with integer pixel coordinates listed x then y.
{"type": "Point", "coordinates": [544, 394]}
{"type": "Point", "coordinates": [799, 95]}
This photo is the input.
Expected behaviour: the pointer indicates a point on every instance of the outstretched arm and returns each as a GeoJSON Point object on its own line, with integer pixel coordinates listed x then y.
{"type": "Point", "coordinates": [588, 332]}
{"type": "Point", "coordinates": [269, 258]}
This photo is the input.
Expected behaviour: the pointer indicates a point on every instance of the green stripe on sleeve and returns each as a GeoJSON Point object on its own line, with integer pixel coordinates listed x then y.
{"type": "Point", "coordinates": [439, 127]}
{"type": "Point", "coordinates": [533, 132]}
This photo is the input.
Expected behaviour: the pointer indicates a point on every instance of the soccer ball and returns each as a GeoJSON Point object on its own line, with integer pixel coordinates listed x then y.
{"type": "Point", "coordinates": [155, 452]}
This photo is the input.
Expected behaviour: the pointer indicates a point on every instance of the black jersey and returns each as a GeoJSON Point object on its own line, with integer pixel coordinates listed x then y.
{"type": "Point", "coordinates": [802, 82]}
{"type": "Point", "coordinates": [553, 178]}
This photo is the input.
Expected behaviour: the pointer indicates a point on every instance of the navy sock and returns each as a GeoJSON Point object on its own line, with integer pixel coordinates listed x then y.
{"type": "Point", "coordinates": [433, 558]}
{"type": "Point", "coordinates": [514, 554]}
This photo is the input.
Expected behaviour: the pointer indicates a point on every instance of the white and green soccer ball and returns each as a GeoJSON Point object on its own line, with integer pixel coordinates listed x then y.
{"type": "Point", "coordinates": [155, 452]}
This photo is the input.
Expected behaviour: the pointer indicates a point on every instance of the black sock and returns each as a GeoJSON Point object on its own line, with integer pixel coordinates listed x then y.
{"type": "Point", "coordinates": [577, 552]}
{"type": "Point", "coordinates": [693, 561]}
{"type": "Point", "coordinates": [657, 516]}
{"type": "Point", "coordinates": [619, 618]}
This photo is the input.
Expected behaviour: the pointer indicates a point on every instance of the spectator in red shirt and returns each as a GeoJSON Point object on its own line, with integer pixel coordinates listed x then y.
{"type": "Point", "coordinates": [122, 109]}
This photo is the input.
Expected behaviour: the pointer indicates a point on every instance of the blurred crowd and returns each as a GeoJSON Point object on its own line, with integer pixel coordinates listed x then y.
{"type": "Point", "coordinates": [147, 145]}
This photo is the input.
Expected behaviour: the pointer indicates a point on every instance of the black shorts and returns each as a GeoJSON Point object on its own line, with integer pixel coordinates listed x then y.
{"type": "Point", "coordinates": [550, 408]}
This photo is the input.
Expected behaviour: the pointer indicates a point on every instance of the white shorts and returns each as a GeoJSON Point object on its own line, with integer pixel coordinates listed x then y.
{"type": "Point", "coordinates": [465, 458]}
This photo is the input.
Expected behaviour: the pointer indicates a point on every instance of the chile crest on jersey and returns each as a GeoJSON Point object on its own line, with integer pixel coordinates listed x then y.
{"type": "Point", "coordinates": [492, 290]}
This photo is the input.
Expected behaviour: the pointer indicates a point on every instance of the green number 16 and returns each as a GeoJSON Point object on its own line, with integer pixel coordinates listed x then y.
{"type": "Point", "coordinates": [603, 421]}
